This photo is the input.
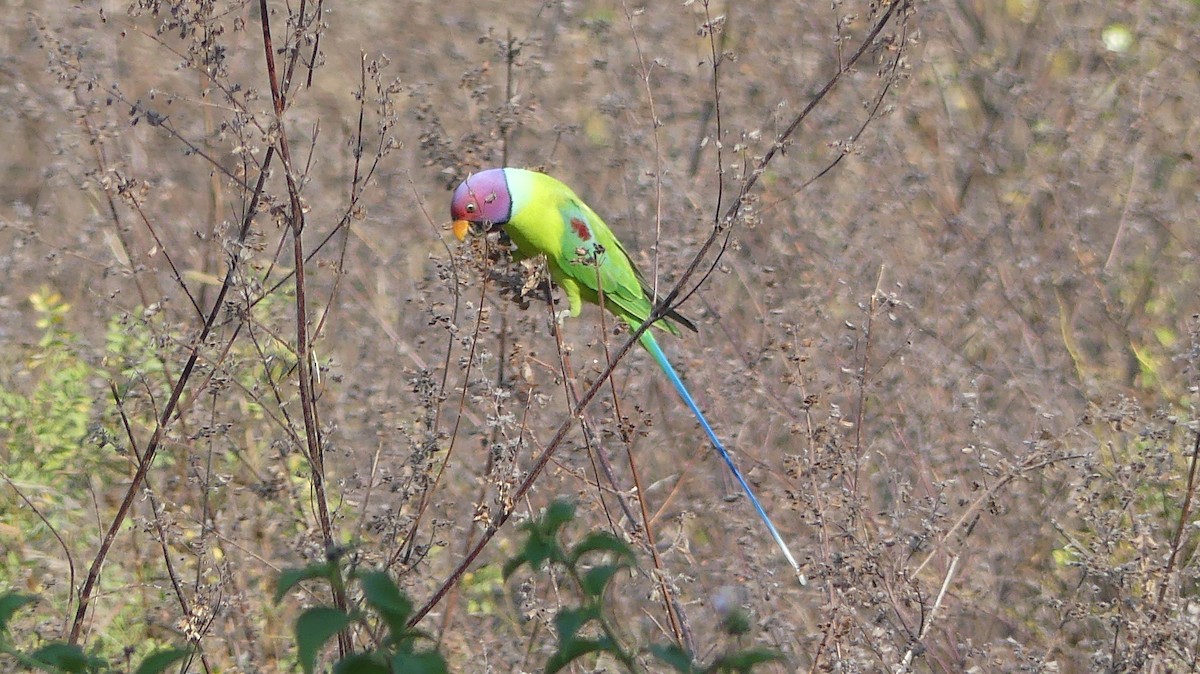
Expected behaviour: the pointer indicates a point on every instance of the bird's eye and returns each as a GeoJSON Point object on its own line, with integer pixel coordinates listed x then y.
{"type": "Point", "coordinates": [471, 208]}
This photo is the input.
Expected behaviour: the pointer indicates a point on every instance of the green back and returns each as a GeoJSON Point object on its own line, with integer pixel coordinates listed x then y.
{"type": "Point", "coordinates": [549, 218]}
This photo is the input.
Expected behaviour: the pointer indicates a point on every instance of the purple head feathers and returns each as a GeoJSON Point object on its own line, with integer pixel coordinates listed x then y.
{"type": "Point", "coordinates": [482, 199]}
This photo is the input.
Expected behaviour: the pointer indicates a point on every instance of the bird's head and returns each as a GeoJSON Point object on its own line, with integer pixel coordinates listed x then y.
{"type": "Point", "coordinates": [482, 202]}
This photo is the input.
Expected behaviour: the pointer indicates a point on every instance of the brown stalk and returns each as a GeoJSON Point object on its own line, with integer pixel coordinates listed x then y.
{"type": "Point", "coordinates": [1184, 513]}
{"type": "Point", "coordinates": [164, 419]}
{"type": "Point", "coordinates": [176, 584]}
{"type": "Point", "coordinates": [308, 403]}
{"type": "Point", "coordinates": [675, 617]}
{"type": "Point", "coordinates": [510, 55]}
{"type": "Point", "coordinates": [721, 225]}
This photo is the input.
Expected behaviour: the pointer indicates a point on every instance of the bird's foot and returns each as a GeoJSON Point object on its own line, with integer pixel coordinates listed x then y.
{"type": "Point", "coordinates": [559, 317]}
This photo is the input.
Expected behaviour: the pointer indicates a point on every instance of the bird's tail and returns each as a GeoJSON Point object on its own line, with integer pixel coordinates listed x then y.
{"type": "Point", "coordinates": [652, 346]}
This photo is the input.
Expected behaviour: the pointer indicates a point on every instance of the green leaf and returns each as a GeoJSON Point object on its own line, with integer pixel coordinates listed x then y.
{"type": "Point", "coordinates": [428, 662]}
{"type": "Point", "coordinates": [569, 620]}
{"type": "Point", "coordinates": [158, 661]}
{"type": "Point", "coordinates": [558, 514]}
{"type": "Point", "coordinates": [510, 567]}
{"type": "Point", "coordinates": [597, 578]}
{"type": "Point", "coordinates": [10, 603]}
{"type": "Point", "coordinates": [315, 627]}
{"type": "Point", "coordinates": [601, 541]}
{"type": "Point", "coordinates": [736, 623]}
{"type": "Point", "coordinates": [574, 649]}
{"type": "Point", "coordinates": [679, 659]}
{"type": "Point", "coordinates": [540, 547]}
{"type": "Point", "coordinates": [387, 599]}
{"type": "Point", "coordinates": [542, 544]}
{"type": "Point", "coordinates": [289, 578]}
{"type": "Point", "coordinates": [743, 661]}
{"type": "Point", "coordinates": [66, 657]}
{"type": "Point", "coordinates": [361, 663]}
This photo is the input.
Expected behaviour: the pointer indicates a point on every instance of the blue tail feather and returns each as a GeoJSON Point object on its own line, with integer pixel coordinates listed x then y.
{"type": "Point", "coordinates": [651, 345]}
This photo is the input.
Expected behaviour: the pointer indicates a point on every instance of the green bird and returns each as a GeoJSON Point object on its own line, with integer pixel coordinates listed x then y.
{"type": "Point", "coordinates": [542, 216]}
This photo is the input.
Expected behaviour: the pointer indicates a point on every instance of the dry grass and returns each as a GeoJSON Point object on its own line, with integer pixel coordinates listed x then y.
{"type": "Point", "coordinates": [960, 366]}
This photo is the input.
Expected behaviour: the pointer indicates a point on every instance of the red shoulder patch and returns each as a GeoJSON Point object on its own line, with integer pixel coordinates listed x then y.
{"type": "Point", "coordinates": [581, 229]}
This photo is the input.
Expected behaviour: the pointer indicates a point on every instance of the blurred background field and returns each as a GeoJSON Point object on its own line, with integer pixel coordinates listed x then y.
{"type": "Point", "coordinates": [960, 366]}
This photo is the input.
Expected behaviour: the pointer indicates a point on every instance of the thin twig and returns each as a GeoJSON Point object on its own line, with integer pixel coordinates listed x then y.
{"type": "Point", "coordinates": [53, 531]}
{"type": "Point", "coordinates": [661, 309]}
{"type": "Point", "coordinates": [164, 419]}
{"type": "Point", "coordinates": [906, 661]}
{"type": "Point", "coordinates": [675, 615]}
{"type": "Point", "coordinates": [296, 220]}
{"type": "Point", "coordinates": [1184, 514]}
{"type": "Point", "coordinates": [160, 530]}
{"type": "Point", "coordinates": [863, 377]}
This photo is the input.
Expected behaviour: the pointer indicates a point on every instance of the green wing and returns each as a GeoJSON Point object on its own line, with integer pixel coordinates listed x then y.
{"type": "Point", "coordinates": [593, 258]}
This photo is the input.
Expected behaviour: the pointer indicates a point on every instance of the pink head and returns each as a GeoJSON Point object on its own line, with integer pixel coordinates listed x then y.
{"type": "Point", "coordinates": [482, 201]}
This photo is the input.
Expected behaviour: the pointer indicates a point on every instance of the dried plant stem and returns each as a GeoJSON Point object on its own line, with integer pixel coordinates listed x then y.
{"type": "Point", "coordinates": [304, 353]}
{"type": "Point", "coordinates": [49, 527]}
{"type": "Point", "coordinates": [168, 411]}
{"type": "Point", "coordinates": [675, 616]}
{"type": "Point", "coordinates": [406, 549]}
{"type": "Point", "coordinates": [670, 301]}
{"type": "Point", "coordinates": [172, 574]}
{"type": "Point", "coordinates": [723, 220]}
{"type": "Point", "coordinates": [927, 622]}
{"type": "Point", "coordinates": [655, 124]}
{"type": "Point", "coordinates": [1185, 513]}
{"type": "Point", "coordinates": [510, 54]}
{"type": "Point", "coordinates": [864, 375]}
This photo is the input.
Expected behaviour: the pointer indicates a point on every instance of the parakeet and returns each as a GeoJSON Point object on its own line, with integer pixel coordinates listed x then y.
{"type": "Point", "coordinates": [542, 216]}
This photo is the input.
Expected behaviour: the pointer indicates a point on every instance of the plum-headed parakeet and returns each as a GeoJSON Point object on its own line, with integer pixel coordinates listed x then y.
{"type": "Point", "coordinates": [542, 216]}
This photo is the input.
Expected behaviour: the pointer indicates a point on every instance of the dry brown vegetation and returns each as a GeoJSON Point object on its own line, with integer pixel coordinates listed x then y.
{"type": "Point", "coordinates": [960, 365]}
